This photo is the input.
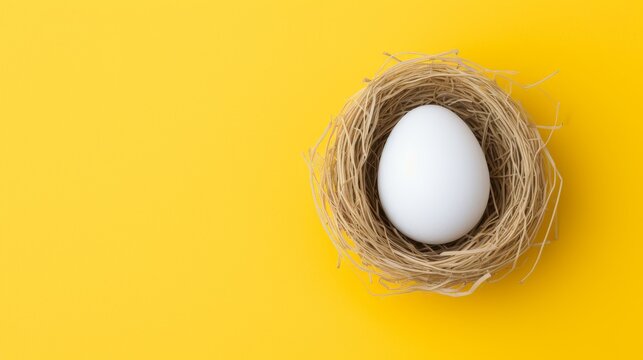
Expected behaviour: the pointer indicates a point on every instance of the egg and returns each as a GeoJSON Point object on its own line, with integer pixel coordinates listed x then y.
{"type": "Point", "coordinates": [433, 180]}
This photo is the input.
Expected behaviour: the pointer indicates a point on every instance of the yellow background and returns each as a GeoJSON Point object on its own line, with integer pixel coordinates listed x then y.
{"type": "Point", "coordinates": [154, 200]}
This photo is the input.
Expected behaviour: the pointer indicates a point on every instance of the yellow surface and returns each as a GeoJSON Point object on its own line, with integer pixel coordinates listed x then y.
{"type": "Point", "coordinates": [154, 201]}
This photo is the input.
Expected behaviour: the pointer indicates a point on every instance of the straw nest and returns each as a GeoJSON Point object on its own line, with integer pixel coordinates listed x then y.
{"type": "Point", "coordinates": [525, 184]}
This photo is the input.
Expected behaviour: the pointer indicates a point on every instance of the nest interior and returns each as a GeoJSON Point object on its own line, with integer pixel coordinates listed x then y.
{"type": "Point", "coordinates": [524, 178]}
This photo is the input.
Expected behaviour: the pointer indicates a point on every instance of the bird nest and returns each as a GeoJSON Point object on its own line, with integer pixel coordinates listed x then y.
{"type": "Point", "coordinates": [525, 183]}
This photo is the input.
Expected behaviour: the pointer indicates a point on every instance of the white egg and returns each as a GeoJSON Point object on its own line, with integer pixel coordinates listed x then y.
{"type": "Point", "coordinates": [433, 179]}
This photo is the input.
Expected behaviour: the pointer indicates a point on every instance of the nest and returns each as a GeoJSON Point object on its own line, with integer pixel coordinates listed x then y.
{"type": "Point", "coordinates": [525, 183]}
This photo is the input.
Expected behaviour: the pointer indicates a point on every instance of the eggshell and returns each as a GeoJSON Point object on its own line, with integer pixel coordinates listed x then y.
{"type": "Point", "coordinates": [433, 179]}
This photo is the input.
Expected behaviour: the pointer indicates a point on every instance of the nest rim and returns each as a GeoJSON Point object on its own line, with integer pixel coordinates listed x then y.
{"type": "Point", "coordinates": [525, 182]}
